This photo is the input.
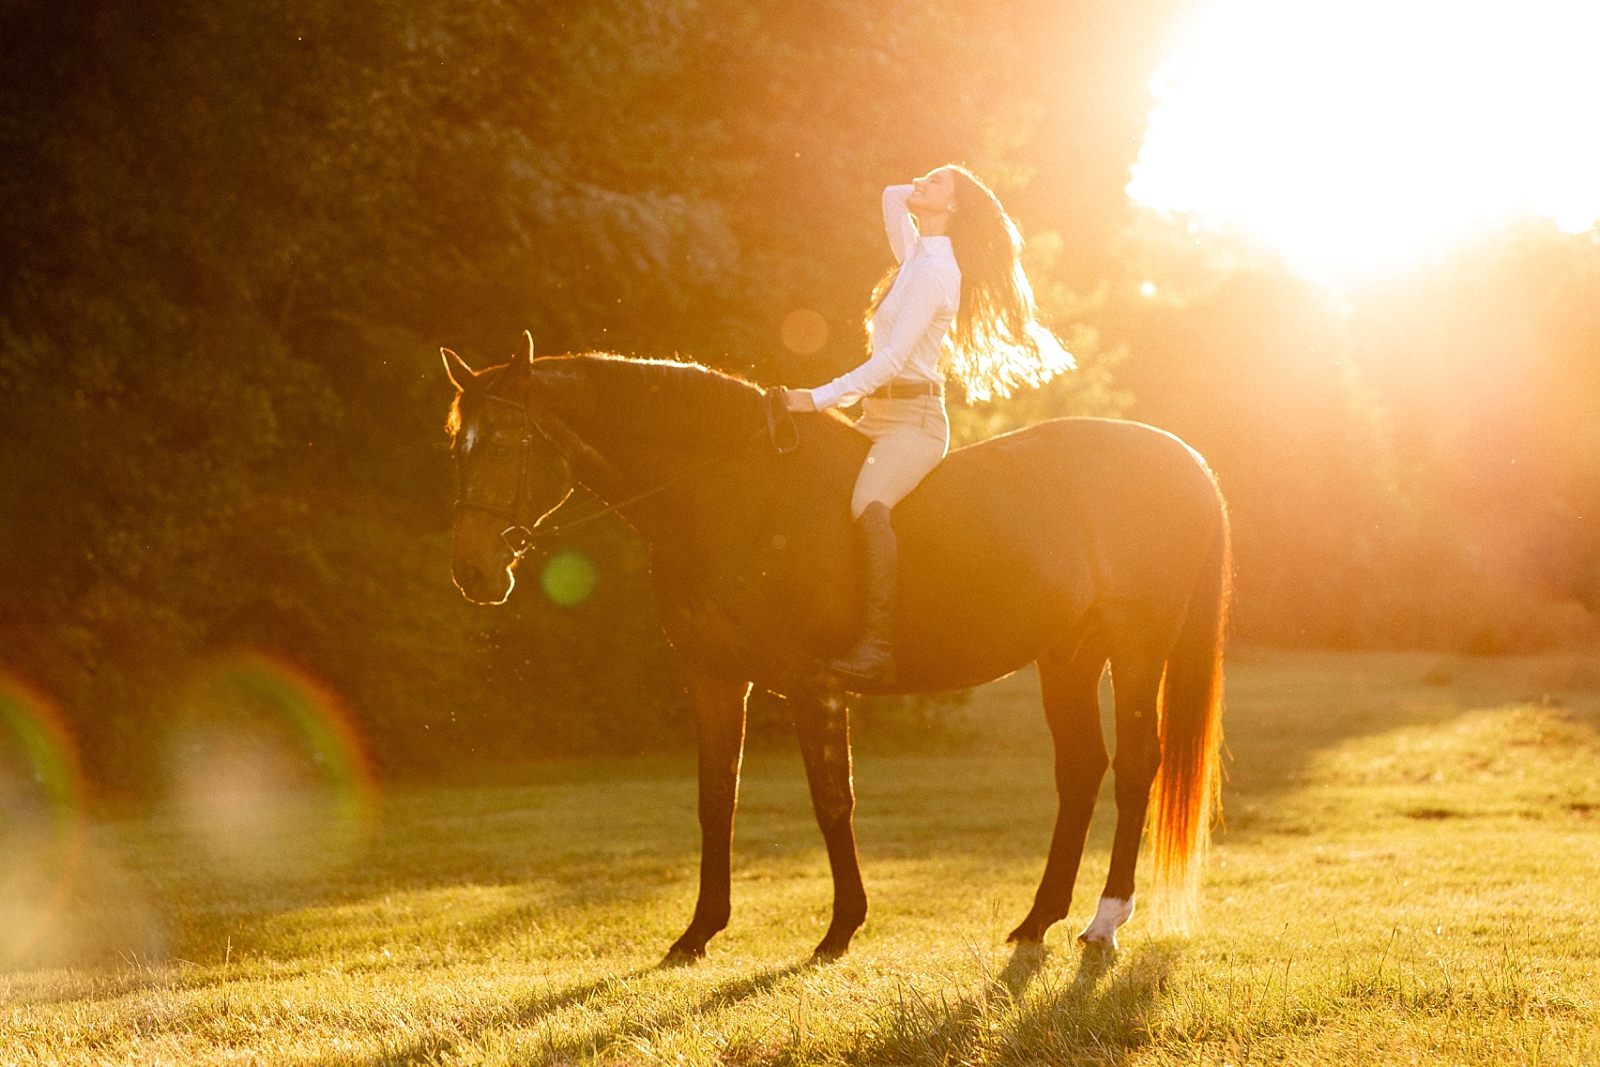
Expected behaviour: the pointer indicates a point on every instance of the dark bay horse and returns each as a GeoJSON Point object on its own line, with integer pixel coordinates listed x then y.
{"type": "Point", "coordinates": [1071, 544]}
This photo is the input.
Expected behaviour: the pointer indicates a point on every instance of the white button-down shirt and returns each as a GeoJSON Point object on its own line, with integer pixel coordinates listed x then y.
{"type": "Point", "coordinates": [910, 324]}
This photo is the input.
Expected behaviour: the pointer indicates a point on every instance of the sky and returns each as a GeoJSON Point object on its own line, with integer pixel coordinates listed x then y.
{"type": "Point", "coordinates": [1348, 134]}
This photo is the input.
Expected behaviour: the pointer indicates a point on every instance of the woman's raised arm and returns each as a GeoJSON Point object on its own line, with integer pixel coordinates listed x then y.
{"type": "Point", "coordinates": [897, 221]}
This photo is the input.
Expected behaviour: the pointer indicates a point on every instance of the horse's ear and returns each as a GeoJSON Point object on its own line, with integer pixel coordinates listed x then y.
{"type": "Point", "coordinates": [525, 359]}
{"type": "Point", "coordinates": [461, 375]}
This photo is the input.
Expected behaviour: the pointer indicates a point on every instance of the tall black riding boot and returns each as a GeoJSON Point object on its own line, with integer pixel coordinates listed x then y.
{"type": "Point", "coordinates": [873, 657]}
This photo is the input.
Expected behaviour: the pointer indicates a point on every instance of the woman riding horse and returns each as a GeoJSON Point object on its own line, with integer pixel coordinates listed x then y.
{"type": "Point", "coordinates": [1074, 544]}
{"type": "Point", "coordinates": [956, 254]}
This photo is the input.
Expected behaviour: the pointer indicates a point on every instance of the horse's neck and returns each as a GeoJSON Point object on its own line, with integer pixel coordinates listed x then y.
{"type": "Point", "coordinates": [651, 414]}
{"type": "Point", "coordinates": [631, 465]}
{"type": "Point", "coordinates": [622, 455]}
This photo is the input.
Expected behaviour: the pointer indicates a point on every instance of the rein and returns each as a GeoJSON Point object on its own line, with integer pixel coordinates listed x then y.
{"type": "Point", "coordinates": [520, 539]}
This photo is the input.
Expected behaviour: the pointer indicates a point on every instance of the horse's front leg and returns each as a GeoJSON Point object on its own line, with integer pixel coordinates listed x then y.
{"type": "Point", "coordinates": [823, 724]}
{"type": "Point", "coordinates": [719, 727]}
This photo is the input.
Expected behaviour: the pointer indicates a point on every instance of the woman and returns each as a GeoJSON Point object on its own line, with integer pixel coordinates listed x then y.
{"type": "Point", "coordinates": [957, 256]}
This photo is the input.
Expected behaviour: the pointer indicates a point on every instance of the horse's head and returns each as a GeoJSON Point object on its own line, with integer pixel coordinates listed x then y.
{"type": "Point", "coordinates": [511, 475]}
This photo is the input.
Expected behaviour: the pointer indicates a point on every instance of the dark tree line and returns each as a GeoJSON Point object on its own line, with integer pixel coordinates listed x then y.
{"type": "Point", "coordinates": [235, 236]}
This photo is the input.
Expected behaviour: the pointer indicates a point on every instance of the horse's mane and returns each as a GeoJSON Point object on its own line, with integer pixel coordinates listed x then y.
{"type": "Point", "coordinates": [661, 401]}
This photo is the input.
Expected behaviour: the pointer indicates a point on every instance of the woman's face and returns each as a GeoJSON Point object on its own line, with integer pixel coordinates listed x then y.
{"type": "Point", "coordinates": [934, 193]}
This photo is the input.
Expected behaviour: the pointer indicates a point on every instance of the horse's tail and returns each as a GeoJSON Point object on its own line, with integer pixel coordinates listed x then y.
{"type": "Point", "coordinates": [1185, 795]}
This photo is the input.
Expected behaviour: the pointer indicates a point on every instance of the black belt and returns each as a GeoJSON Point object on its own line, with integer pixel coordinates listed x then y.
{"type": "Point", "coordinates": [906, 390]}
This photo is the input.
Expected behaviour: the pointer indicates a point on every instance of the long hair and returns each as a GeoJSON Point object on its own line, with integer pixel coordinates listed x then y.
{"type": "Point", "coordinates": [996, 343]}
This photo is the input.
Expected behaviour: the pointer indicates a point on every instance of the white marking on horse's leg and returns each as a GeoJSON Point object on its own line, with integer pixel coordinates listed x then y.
{"type": "Point", "coordinates": [1102, 929]}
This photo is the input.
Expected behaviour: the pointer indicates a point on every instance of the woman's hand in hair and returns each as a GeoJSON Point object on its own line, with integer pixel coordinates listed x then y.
{"type": "Point", "coordinates": [798, 399]}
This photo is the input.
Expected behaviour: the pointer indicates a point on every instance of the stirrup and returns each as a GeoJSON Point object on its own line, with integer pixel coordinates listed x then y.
{"type": "Point", "coordinates": [860, 664]}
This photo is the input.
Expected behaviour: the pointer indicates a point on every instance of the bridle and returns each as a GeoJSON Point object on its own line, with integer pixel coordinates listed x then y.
{"type": "Point", "coordinates": [520, 538]}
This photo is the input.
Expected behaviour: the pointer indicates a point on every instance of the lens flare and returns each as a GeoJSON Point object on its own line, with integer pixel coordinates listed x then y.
{"type": "Point", "coordinates": [804, 331]}
{"type": "Point", "coordinates": [42, 793]}
{"type": "Point", "coordinates": [568, 578]}
{"type": "Point", "coordinates": [268, 767]}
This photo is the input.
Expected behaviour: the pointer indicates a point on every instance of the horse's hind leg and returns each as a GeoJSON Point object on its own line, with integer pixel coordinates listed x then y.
{"type": "Point", "coordinates": [822, 723]}
{"type": "Point", "coordinates": [719, 728]}
{"type": "Point", "coordinates": [1136, 669]}
{"type": "Point", "coordinates": [1070, 681]}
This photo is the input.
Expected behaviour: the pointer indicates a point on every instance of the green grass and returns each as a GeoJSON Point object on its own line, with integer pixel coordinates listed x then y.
{"type": "Point", "coordinates": [1408, 875]}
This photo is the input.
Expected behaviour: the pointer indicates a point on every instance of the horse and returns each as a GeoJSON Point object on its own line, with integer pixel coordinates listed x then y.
{"type": "Point", "coordinates": [1075, 544]}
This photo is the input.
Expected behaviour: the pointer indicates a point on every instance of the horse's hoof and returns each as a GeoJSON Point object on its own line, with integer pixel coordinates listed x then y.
{"type": "Point", "coordinates": [1102, 929]}
{"type": "Point", "coordinates": [1028, 932]}
{"type": "Point", "coordinates": [1092, 938]}
{"type": "Point", "coordinates": [831, 949]}
{"type": "Point", "coordinates": [681, 955]}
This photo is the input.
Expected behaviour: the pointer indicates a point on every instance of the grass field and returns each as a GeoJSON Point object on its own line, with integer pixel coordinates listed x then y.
{"type": "Point", "coordinates": [1410, 873]}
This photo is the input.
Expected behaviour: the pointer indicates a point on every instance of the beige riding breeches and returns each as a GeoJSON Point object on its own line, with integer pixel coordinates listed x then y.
{"type": "Point", "coordinates": [909, 438]}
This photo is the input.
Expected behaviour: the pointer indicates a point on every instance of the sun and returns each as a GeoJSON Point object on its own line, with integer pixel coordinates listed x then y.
{"type": "Point", "coordinates": [1348, 134]}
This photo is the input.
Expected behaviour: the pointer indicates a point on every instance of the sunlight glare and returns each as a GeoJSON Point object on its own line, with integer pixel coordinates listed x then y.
{"type": "Point", "coordinates": [1347, 134]}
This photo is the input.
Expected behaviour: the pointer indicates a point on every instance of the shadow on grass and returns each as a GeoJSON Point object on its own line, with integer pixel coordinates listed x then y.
{"type": "Point", "coordinates": [1038, 1018]}
{"type": "Point", "coordinates": [1020, 969]}
{"type": "Point", "coordinates": [594, 1043]}
{"type": "Point", "coordinates": [1102, 1016]}
{"type": "Point", "coordinates": [1094, 964]}
{"type": "Point", "coordinates": [432, 1048]}
{"type": "Point", "coordinates": [1026, 961]}
{"type": "Point", "coordinates": [723, 996]}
